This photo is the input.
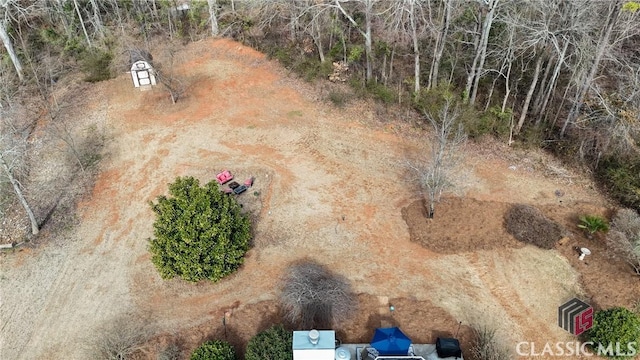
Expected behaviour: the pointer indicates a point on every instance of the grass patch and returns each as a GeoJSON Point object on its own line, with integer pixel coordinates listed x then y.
{"type": "Point", "coordinates": [295, 113]}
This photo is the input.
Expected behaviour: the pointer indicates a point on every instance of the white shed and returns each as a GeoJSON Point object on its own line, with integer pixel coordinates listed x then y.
{"type": "Point", "coordinates": [314, 345]}
{"type": "Point", "coordinates": [142, 74]}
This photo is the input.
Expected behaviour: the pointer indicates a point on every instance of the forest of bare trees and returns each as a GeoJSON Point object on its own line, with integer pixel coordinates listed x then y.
{"type": "Point", "coordinates": [560, 74]}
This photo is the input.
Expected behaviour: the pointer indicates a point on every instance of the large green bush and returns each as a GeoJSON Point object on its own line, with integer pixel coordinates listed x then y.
{"type": "Point", "coordinates": [199, 232]}
{"type": "Point", "coordinates": [612, 327]}
{"type": "Point", "coordinates": [275, 343]}
{"type": "Point", "coordinates": [214, 350]}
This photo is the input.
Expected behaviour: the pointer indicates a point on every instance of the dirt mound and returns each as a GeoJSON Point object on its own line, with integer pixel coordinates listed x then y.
{"type": "Point", "coordinates": [529, 225]}
{"type": "Point", "coordinates": [459, 225]}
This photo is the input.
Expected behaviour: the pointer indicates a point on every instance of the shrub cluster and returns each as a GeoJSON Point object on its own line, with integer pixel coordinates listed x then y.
{"type": "Point", "coordinates": [615, 329]}
{"type": "Point", "coordinates": [275, 343]}
{"type": "Point", "coordinates": [529, 225]}
{"type": "Point", "coordinates": [214, 350]}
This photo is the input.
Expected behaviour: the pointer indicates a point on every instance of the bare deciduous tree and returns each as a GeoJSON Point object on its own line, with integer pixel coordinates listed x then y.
{"type": "Point", "coordinates": [603, 46]}
{"type": "Point", "coordinates": [487, 347]}
{"type": "Point", "coordinates": [12, 148]}
{"type": "Point", "coordinates": [440, 43]}
{"type": "Point", "coordinates": [314, 297]}
{"type": "Point", "coordinates": [18, 191]}
{"type": "Point", "coordinates": [119, 339]}
{"type": "Point", "coordinates": [477, 68]}
{"type": "Point", "coordinates": [448, 136]}
{"type": "Point", "coordinates": [166, 75]}
{"type": "Point", "coordinates": [6, 8]}
{"type": "Point", "coordinates": [213, 17]}
{"type": "Point", "coordinates": [366, 33]}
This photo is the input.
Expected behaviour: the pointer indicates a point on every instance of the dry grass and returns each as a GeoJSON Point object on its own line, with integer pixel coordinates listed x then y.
{"type": "Point", "coordinates": [487, 347]}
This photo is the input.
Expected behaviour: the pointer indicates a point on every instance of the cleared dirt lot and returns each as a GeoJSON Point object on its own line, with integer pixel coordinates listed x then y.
{"type": "Point", "coordinates": [331, 185]}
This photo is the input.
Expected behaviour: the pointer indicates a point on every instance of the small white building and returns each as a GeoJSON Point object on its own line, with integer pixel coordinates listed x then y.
{"type": "Point", "coordinates": [143, 75]}
{"type": "Point", "coordinates": [314, 345]}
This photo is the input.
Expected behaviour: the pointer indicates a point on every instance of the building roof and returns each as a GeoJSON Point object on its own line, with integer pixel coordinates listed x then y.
{"type": "Point", "coordinates": [327, 340]}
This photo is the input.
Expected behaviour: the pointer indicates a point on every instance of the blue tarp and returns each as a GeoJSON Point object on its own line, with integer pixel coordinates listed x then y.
{"type": "Point", "coordinates": [390, 341]}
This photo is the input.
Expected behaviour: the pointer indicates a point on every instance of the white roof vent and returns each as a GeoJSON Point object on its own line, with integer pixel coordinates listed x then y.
{"type": "Point", "coordinates": [314, 337]}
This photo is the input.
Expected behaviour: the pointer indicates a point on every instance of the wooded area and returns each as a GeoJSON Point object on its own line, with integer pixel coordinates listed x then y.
{"type": "Point", "coordinates": [563, 74]}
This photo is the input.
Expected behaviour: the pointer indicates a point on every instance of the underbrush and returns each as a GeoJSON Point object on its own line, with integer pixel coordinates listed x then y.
{"type": "Point", "coordinates": [528, 224]}
{"type": "Point", "coordinates": [621, 178]}
{"type": "Point", "coordinates": [96, 65]}
{"type": "Point", "coordinates": [487, 347]}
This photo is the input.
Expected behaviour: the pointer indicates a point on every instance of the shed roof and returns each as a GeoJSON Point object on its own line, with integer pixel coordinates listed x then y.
{"type": "Point", "coordinates": [139, 55]}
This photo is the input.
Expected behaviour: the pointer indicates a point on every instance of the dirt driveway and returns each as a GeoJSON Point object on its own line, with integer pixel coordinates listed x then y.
{"type": "Point", "coordinates": [330, 184]}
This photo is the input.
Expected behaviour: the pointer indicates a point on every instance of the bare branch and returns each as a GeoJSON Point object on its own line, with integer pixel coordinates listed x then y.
{"type": "Point", "coordinates": [314, 297]}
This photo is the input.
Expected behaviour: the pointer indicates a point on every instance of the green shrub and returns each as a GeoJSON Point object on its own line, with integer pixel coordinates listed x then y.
{"type": "Point", "coordinates": [284, 56]}
{"type": "Point", "coordinates": [199, 232]}
{"type": "Point", "coordinates": [355, 53]}
{"type": "Point", "coordinates": [311, 69]}
{"type": "Point", "coordinates": [381, 92]}
{"type": "Point", "coordinates": [306, 67]}
{"type": "Point", "coordinates": [621, 177]}
{"type": "Point", "coordinates": [274, 343]}
{"type": "Point", "coordinates": [96, 65]}
{"type": "Point", "coordinates": [492, 122]}
{"type": "Point", "coordinates": [593, 224]}
{"type": "Point", "coordinates": [612, 328]}
{"type": "Point", "coordinates": [432, 101]}
{"type": "Point", "coordinates": [338, 98]}
{"type": "Point", "coordinates": [528, 224]}
{"type": "Point", "coordinates": [214, 350]}
{"type": "Point", "coordinates": [74, 46]}
{"type": "Point", "coordinates": [532, 137]}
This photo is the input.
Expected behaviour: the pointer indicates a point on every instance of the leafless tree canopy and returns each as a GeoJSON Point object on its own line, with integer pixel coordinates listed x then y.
{"type": "Point", "coordinates": [624, 238]}
{"type": "Point", "coordinates": [314, 297]}
{"type": "Point", "coordinates": [487, 347]}
{"type": "Point", "coordinates": [446, 139]}
{"type": "Point", "coordinates": [119, 339]}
